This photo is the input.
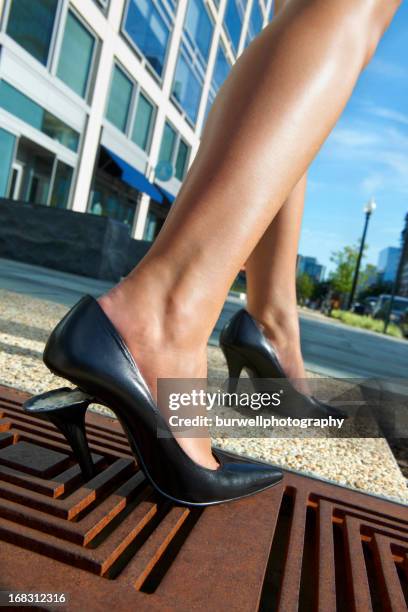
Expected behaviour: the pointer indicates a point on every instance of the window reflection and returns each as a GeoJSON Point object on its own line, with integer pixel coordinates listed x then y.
{"type": "Point", "coordinates": [23, 15]}
{"type": "Point", "coordinates": [147, 23]}
{"type": "Point", "coordinates": [187, 87]}
{"type": "Point", "coordinates": [173, 149]}
{"type": "Point", "coordinates": [234, 16]}
{"type": "Point", "coordinates": [62, 185]}
{"type": "Point", "coordinates": [255, 22]}
{"type": "Point", "coordinates": [76, 55]}
{"type": "Point", "coordinates": [29, 111]}
{"type": "Point", "coordinates": [143, 122]}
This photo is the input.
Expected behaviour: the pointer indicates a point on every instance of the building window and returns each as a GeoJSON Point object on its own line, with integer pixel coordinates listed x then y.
{"type": "Point", "coordinates": [187, 86]}
{"type": "Point", "coordinates": [119, 99]}
{"type": "Point", "coordinates": [111, 196]}
{"type": "Point", "coordinates": [31, 25]}
{"type": "Point", "coordinates": [154, 223]}
{"type": "Point", "coordinates": [174, 150]}
{"type": "Point", "coordinates": [142, 127]}
{"type": "Point", "coordinates": [7, 145]}
{"type": "Point", "coordinates": [62, 185]}
{"type": "Point", "coordinates": [125, 95]}
{"type": "Point", "coordinates": [167, 144]}
{"type": "Point", "coordinates": [233, 19]}
{"type": "Point", "coordinates": [76, 57]}
{"type": "Point", "coordinates": [221, 70]}
{"type": "Point", "coordinates": [108, 202]}
{"type": "Point", "coordinates": [199, 27]}
{"type": "Point", "coordinates": [32, 113]}
{"type": "Point", "coordinates": [181, 160]}
{"type": "Point", "coordinates": [192, 60]}
{"type": "Point", "coordinates": [148, 24]}
{"type": "Point", "coordinates": [256, 20]}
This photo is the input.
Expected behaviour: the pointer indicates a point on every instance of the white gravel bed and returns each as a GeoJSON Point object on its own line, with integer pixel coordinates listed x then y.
{"type": "Point", "coordinates": [364, 464]}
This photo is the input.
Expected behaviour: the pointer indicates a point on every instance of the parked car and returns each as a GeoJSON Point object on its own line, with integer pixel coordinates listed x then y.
{"type": "Point", "coordinates": [358, 308]}
{"type": "Point", "coordinates": [366, 307]}
{"type": "Point", "coordinates": [399, 306]}
{"type": "Point", "coordinates": [370, 304]}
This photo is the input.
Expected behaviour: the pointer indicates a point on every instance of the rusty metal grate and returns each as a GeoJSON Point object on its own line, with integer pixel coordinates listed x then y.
{"type": "Point", "coordinates": [303, 545]}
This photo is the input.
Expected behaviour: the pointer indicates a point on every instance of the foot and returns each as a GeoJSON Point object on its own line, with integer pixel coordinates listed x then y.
{"type": "Point", "coordinates": [282, 331]}
{"type": "Point", "coordinates": [157, 335]}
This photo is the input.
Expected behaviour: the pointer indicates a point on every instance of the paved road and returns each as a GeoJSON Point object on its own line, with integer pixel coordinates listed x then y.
{"type": "Point", "coordinates": [48, 284]}
{"type": "Point", "coordinates": [329, 348]}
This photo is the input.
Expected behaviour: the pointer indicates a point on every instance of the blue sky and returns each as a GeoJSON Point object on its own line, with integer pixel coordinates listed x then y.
{"type": "Point", "coordinates": [366, 155]}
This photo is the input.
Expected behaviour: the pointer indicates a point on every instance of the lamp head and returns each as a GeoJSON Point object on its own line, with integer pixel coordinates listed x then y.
{"type": "Point", "coordinates": [370, 207]}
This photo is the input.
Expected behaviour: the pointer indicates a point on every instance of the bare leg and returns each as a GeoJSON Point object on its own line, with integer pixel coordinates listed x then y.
{"type": "Point", "coordinates": [271, 280]}
{"type": "Point", "coordinates": [270, 118]}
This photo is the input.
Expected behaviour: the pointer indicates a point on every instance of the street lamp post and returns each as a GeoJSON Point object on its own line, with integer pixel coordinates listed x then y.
{"type": "Point", "coordinates": [369, 208]}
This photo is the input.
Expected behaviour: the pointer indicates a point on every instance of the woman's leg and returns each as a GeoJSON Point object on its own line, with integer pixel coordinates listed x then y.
{"type": "Point", "coordinates": [278, 105]}
{"type": "Point", "coordinates": [271, 283]}
{"type": "Point", "coordinates": [271, 278]}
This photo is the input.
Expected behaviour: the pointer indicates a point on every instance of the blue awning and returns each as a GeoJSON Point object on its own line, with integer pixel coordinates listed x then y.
{"type": "Point", "coordinates": [134, 178]}
{"type": "Point", "coordinates": [170, 197]}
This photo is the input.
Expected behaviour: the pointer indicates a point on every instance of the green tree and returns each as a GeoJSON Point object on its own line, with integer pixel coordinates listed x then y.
{"type": "Point", "coordinates": [304, 287]}
{"type": "Point", "coordinates": [375, 290]}
{"type": "Point", "coordinates": [321, 290]}
{"type": "Point", "coordinates": [367, 277]}
{"type": "Point", "coordinates": [345, 260]}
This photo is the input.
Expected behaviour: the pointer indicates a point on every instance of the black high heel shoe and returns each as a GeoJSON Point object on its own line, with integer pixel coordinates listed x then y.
{"type": "Point", "coordinates": [245, 346]}
{"type": "Point", "coordinates": [86, 349]}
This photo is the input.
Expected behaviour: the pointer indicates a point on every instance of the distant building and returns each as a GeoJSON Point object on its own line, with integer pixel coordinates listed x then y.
{"type": "Point", "coordinates": [369, 277]}
{"type": "Point", "coordinates": [311, 267]}
{"type": "Point", "coordinates": [403, 280]}
{"type": "Point", "coordinates": [388, 261]}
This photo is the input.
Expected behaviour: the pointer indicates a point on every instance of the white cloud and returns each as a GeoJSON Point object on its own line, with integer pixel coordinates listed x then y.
{"type": "Point", "coordinates": [380, 151]}
{"type": "Point", "coordinates": [373, 183]}
{"type": "Point", "coordinates": [388, 113]}
{"type": "Point", "coordinates": [348, 137]}
{"type": "Point", "coordinates": [387, 69]}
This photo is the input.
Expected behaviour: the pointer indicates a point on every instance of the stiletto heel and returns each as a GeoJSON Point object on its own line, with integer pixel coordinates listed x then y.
{"type": "Point", "coordinates": [86, 349]}
{"type": "Point", "coordinates": [243, 343]}
{"type": "Point", "coordinates": [66, 408]}
{"type": "Point", "coordinates": [235, 364]}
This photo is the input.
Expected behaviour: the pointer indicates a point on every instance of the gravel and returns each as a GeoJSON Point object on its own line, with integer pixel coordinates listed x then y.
{"type": "Point", "coordinates": [366, 464]}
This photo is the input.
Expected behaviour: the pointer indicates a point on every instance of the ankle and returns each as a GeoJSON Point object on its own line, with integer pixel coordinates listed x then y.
{"type": "Point", "coordinates": [280, 325]}
{"type": "Point", "coordinates": [145, 305]}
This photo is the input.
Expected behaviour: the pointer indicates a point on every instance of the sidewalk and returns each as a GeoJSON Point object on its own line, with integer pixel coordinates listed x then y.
{"type": "Point", "coordinates": [365, 464]}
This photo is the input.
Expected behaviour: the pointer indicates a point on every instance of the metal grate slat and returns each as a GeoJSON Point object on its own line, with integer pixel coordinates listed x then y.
{"type": "Point", "coordinates": [302, 545]}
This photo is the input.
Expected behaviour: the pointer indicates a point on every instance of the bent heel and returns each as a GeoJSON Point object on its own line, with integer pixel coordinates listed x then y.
{"type": "Point", "coordinates": [65, 408]}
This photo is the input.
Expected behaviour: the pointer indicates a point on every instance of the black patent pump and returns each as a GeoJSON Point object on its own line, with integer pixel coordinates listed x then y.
{"type": "Point", "coordinates": [245, 347]}
{"type": "Point", "coordinates": [86, 349]}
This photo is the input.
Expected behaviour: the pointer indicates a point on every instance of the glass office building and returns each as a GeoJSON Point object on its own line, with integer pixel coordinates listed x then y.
{"type": "Point", "coordinates": [103, 102]}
